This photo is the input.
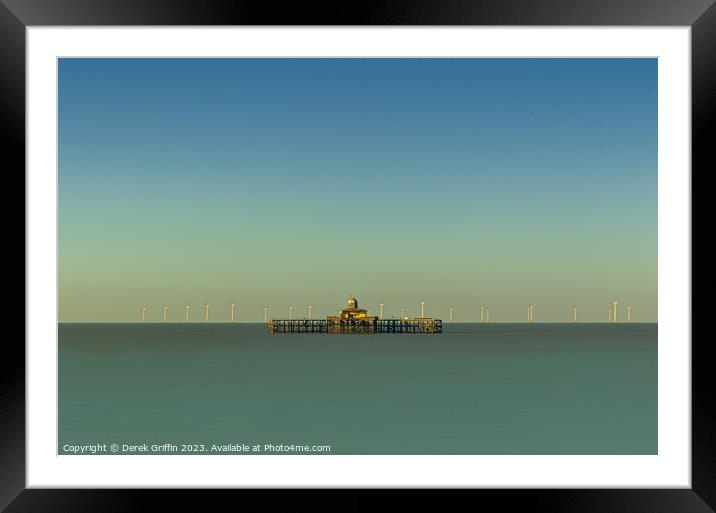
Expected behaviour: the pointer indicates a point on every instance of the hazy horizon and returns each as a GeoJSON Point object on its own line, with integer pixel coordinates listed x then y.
{"type": "Point", "coordinates": [197, 321]}
{"type": "Point", "coordinates": [463, 182]}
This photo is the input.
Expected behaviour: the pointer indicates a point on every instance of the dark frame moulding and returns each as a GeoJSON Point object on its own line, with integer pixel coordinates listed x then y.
{"type": "Point", "coordinates": [16, 15]}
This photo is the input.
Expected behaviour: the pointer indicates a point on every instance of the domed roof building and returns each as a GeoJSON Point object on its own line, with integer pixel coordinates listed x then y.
{"type": "Point", "coordinates": [352, 312]}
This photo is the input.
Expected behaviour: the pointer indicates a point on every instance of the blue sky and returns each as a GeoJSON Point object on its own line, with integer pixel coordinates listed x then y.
{"type": "Point", "coordinates": [292, 181]}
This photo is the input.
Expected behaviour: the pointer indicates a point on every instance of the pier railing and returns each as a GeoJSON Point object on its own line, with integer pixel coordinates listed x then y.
{"type": "Point", "coordinates": [348, 326]}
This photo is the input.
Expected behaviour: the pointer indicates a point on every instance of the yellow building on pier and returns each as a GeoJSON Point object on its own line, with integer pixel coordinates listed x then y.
{"type": "Point", "coordinates": [352, 312]}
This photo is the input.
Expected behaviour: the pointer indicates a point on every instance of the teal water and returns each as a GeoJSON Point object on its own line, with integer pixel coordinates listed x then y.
{"type": "Point", "coordinates": [475, 389]}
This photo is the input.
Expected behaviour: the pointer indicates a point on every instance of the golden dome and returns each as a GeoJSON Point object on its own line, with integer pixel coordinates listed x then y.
{"type": "Point", "coordinates": [352, 302]}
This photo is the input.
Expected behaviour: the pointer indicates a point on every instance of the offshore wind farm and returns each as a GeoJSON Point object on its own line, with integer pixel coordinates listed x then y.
{"type": "Point", "coordinates": [352, 303]}
{"type": "Point", "coordinates": [369, 256]}
{"type": "Point", "coordinates": [354, 320]}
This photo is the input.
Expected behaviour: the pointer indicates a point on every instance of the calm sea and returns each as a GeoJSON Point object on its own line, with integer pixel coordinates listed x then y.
{"type": "Point", "coordinates": [475, 389]}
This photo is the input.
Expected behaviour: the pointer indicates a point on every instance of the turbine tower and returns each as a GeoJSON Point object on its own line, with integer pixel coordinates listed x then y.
{"type": "Point", "coordinates": [164, 313]}
{"type": "Point", "coordinates": [530, 314]}
{"type": "Point", "coordinates": [402, 312]}
{"type": "Point", "coordinates": [290, 312]}
{"type": "Point", "coordinates": [609, 319]}
{"type": "Point", "coordinates": [380, 316]}
{"type": "Point", "coordinates": [628, 313]}
{"type": "Point", "coordinates": [574, 314]}
{"type": "Point", "coordinates": [451, 309]}
{"type": "Point", "coordinates": [615, 302]}
{"type": "Point", "coordinates": [265, 313]}
{"type": "Point", "coordinates": [487, 314]}
{"type": "Point", "coordinates": [422, 308]}
{"type": "Point", "coordinates": [206, 313]}
{"type": "Point", "coordinates": [309, 312]}
{"type": "Point", "coordinates": [144, 313]}
{"type": "Point", "coordinates": [482, 313]}
{"type": "Point", "coordinates": [186, 313]}
{"type": "Point", "coordinates": [232, 316]}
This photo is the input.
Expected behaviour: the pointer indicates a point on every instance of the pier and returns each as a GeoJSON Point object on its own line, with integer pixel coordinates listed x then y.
{"type": "Point", "coordinates": [353, 320]}
{"type": "Point", "coordinates": [413, 325]}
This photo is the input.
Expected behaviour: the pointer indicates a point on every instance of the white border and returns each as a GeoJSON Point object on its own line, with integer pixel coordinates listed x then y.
{"type": "Point", "coordinates": [671, 467]}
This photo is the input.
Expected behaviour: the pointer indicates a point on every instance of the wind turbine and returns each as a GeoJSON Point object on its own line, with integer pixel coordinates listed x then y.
{"type": "Point", "coordinates": [265, 313]}
{"type": "Point", "coordinates": [482, 313]}
{"type": "Point", "coordinates": [530, 314]}
{"type": "Point", "coordinates": [290, 312]}
{"type": "Point", "coordinates": [233, 308]}
{"type": "Point", "coordinates": [380, 316]}
{"type": "Point", "coordinates": [144, 313]}
{"type": "Point", "coordinates": [574, 314]}
{"type": "Point", "coordinates": [487, 314]}
{"type": "Point", "coordinates": [615, 302]}
{"type": "Point", "coordinates": [186, 313]}
{"type": "Point", "coordinates": [164, 313]}
{"type": "Point", "coordinates": [450, 320]}
{"type": "Point", "coordinates": [628, 313]}
{"type": "Point", "coordinates": [402, 312]}
{"type": "Point", "coordinates": [309, 312]}
{"type": "Point", "coordinates": [206, 313]}
{"type": "Point", "coordinates": [422, 308]}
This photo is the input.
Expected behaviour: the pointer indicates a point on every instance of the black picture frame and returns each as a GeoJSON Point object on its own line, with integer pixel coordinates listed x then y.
{"type": "Point", "coordinates": [16, 15]}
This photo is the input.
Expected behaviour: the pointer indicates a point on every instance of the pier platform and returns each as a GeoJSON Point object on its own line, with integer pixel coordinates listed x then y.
{"type": "Point", "coordinates": [356, 326]}
{"type": "Point", "coordinates": [352, 319]}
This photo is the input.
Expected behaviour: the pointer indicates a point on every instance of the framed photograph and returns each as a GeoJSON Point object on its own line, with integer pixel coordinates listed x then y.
{"type": "Point", "coordinates": [427, 247]}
